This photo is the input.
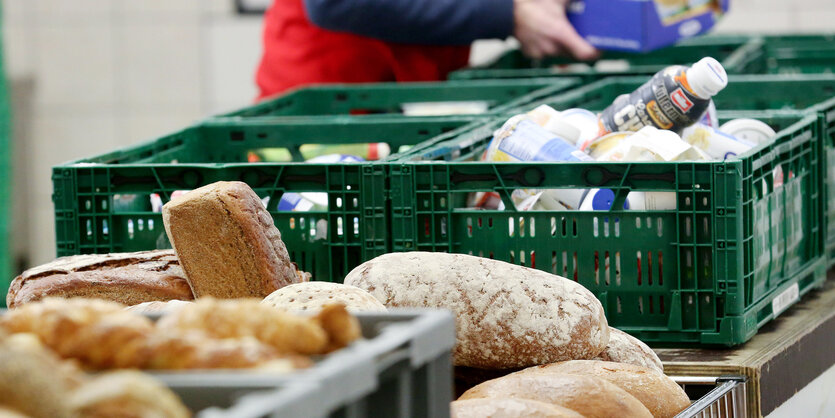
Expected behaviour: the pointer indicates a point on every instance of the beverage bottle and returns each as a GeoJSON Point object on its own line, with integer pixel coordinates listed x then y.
{"type": "Point", "coordinates": [673, 99]}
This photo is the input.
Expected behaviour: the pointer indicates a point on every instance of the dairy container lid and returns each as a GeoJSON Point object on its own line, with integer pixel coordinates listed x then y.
{"type": "Point", "coordinates": [750, 130]}
{"type": "Point", "coordinates": [707, 77]}
{"type": "Point", "coordinates": [563, 129]}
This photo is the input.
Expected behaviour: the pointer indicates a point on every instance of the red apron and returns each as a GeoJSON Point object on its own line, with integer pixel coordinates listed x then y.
{"type": "Point", "coordinates": [297, 53]}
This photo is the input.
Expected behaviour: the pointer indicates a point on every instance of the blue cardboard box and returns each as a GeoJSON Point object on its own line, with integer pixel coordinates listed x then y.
{"type": "Point", "coordinates": [643, 25]}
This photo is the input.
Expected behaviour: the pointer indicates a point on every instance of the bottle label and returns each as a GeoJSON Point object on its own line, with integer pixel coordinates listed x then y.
{"type": "Point", "coordinates": [663, 102]}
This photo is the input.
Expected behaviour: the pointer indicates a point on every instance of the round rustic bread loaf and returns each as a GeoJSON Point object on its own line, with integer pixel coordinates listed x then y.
{"type": "Point", "coordinates": [315, 295]}
{"type": "Point", "coordinates": [509, 408]}
{"type": "Point", "coordinates": [29, 383]}
{"type": "Point", "coordinates": [660, 394]}
{"type": "Point", "coordinates": [506, 316]}
{"type": "Point", "coordinates": [589, 396]}
{"type": "Point", "coordinates": [624, 348]}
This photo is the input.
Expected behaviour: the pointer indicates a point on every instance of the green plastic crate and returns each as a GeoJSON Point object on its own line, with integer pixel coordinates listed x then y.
{"type": "Point", "coordinates": [102, 204]}
{"type": "Point", "coordinates": [361, 99]}
{"type": "Point", "coordinates": [734, 52]}
{"type": "Point", "coordinates": [706, 273]}
{"type": "Point", "coordinates": [793, 54]}
{"type": "Point", "coordinates": [826, 112]}
{"type": "Point", "coordinates": [744, 92]}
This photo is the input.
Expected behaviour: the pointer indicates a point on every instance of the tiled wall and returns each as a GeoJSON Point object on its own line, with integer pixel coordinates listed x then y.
{"type": "Point", "coordinates": [93, 75]}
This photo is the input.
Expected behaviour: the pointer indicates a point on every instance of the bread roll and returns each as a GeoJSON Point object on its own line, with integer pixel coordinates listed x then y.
{"type": "Point", "coordinates": [590, 396]}
{"type": "Point", "coordinates": [227, 242]}
{"type": "Point", "coordinates": [128, 278]}
{"type": "Point", "coordinates": [315, 295]}
{"type": "Point", "coordinates": [28, 383]}
{"type": "Point", "coordinates": [98, 333]}
{"type": "Point", "coordinates": [624, 348]}
{"type": "Point", "coordinates": [126, 394]}
{"type": "Point", "coordinates": [506, 316]}
{"type": "Point", "coordinates": [157, 307]}
{"type": "Point", "coordinates": [509, 408]}
{"type": "Point", "coordinates": [660, 394]}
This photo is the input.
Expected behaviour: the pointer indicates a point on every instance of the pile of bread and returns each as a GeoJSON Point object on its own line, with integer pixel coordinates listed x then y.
{"type": "Point", "coordinates": [528, 343]}
{"type": "Point", "coordinates": [545, 336]}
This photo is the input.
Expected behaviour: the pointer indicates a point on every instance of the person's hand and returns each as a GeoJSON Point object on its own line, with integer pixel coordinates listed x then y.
{"type": "Point", "coordinates": [543, 29]}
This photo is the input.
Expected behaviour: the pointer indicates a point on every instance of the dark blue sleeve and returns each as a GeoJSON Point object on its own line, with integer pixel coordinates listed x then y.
{"type": "Point", "coordinates": [426, 22]}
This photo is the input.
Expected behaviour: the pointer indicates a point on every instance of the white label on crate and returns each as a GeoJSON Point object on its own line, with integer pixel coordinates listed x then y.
{"type": "Point", "coordinates": [785, 299]}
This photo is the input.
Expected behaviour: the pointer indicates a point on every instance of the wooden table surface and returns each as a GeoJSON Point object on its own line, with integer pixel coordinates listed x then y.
{"type": "Point", "coordinates": [785, 355]}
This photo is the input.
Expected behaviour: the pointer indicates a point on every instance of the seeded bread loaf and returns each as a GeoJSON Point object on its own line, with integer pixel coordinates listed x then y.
{"type": "Point", "coordinates": [227, 242]}
{"type": "Point", "coordinates": [506, 316]}
{"type": "Point", "coordinates": [660, 394]}
{"type": "Point", "coordinates": [590, 396]}
{"type": "Point", "coordinates": [509, 408]}
{"type": "Point", "coordinates": [128, 278]}
{"type": "Point", "coordinates": [315, 295]}
{"type": "Point", "coordinates": [624, 348]}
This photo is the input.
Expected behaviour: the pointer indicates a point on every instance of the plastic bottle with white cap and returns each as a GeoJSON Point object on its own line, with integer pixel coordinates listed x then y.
{"type": "Point", "coordinates": [673, 99]}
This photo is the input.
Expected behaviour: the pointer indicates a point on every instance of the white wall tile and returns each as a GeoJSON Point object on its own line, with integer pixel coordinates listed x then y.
{"type": "Point", "coordinates": [58, 137]}
{"type": "Point", "coordinates": [18, 51]}
{"type": "Point", "coordinates": [160, 63]}
{"type": "Point", "coordinates": [74, 65]}
{"type": "Point", "coordinates": [15, 10]}
{"type": "Point", "coordinates": [73, 12]}
{"type": "Point", "coordinates": [817, 20]}
{"type": "Point", "coordinates": [234, 50]}
{"type": "Point", "coordinates": [759, 21]}
{"type": "Point", "coordinates": [161, 7]}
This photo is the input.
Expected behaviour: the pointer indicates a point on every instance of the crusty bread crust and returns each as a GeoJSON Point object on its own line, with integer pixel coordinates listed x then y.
{"type": "Point", "coordinates": [590, 396]}
{"type": "Point", "coordinates": [128, 278]}
{"type": "Point", "coordinates": [624, 348]}
{"type": "Point", "coordinates": [660, 394]}
{"type": "Point", "coordinates": [509, 408]}
{"type": "Point", "coordinates": [312, 296]}
{"type": "Point", "coordinates": [506, 315]}
{"type": "Point", "coordinates": [227, 242]}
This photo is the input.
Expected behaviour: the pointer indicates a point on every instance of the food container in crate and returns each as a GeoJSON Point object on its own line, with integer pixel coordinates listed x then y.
{"type": "Point", "coordinates": [735, 251]}
{"type": "Point", "coordinates": [110, 203]}
{"type": "Point", "coordinates": [799, 94]}
{"type": "Point", "coordinates": [735, 52]}
{"type": "Point", "coordinates": [402, 368]}
{"type": "Point", "coordinates": [410, 99]}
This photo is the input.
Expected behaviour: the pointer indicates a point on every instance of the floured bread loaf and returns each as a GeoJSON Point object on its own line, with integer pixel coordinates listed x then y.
{"type": "Point", "coordinates": [128, 278]}
{"type": "Point", "coordinates": [660, 394]}
{"type": "Point", "coordinates": [590, 396]}
{"type": "Point", "coordinates": [509, 408]}
{"type": "Point", "coordinates": [624, 348]}
{"type": "Point", "coordinates": [315, 295]}
{"type": "Point", "coordinates": [506, 316]}
{"type": "Point", "coordinates": [227, 242]}
{"type": "Point", "coordinates": [158, 307]}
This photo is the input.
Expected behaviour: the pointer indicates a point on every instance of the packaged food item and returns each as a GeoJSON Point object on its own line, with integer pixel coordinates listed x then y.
{"type": "Point", "coordinates": [313, 201]}
{"type": "Point", "coordinates": [749, 130]}
{"type": "Point", "coordinates": [369, 151]}
{"type": "Point", "coordinates": [673, 99]}
{"type": "Point", "coordinates": [602, 199]}
{"type": "Point", "coordinates": [445, 108]}
{"type": "Point", "coordinates": [716, 144]}
{"type": "Point", "coordinates": [710, 118]}
{"type": "Point", "coordinates": [583, 120]}
{"type": "Point", "coordinates": [651, 144]}
{"type": "Point", "coordinates": [523, 140]}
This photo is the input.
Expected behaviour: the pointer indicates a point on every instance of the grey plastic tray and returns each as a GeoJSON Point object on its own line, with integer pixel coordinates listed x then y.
{"type": "Point", "coordinates": [402, 368]}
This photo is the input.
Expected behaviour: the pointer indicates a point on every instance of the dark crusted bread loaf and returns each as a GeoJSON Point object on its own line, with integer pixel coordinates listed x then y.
{"type": "Point", "coordinates": [227, 242]}
{"type": "Point", "coordinates": [128, 278]}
